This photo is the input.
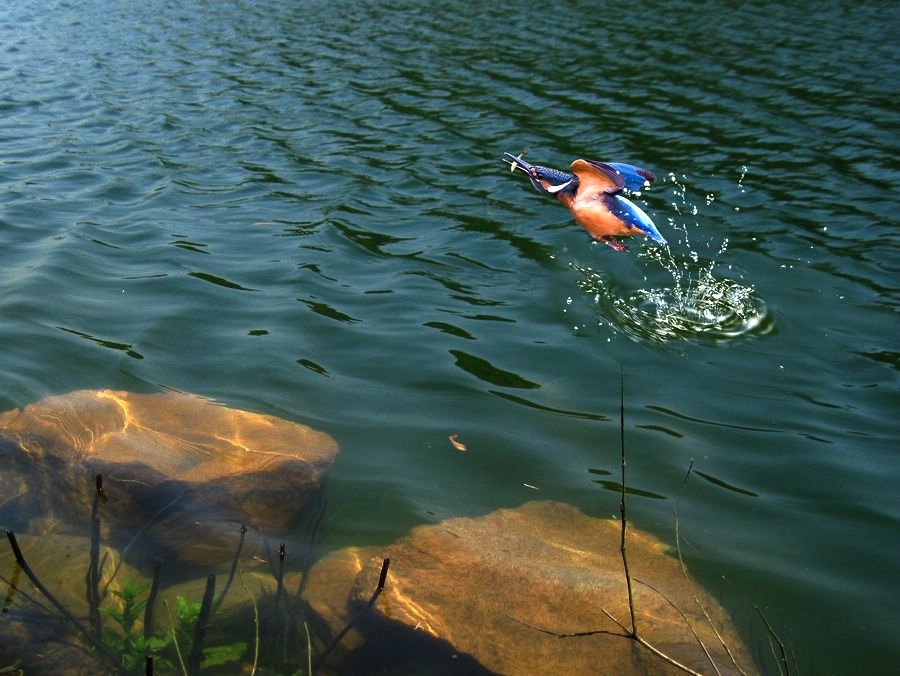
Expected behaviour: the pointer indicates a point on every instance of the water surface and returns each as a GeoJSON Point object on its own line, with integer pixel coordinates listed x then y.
{"type": "Point", "coordinates": [300, 209]}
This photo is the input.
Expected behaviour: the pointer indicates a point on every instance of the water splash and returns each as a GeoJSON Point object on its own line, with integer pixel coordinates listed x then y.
{"type": "Point", "coordinates": [698, 299]}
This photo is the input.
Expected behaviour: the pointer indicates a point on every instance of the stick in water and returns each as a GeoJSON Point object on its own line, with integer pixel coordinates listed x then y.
{"type": "Point", "coordinates": [234, 565]}
{"type": "Point", "coordinates": [337, 639]}
{"type": "Point", "coordinates": [634, 631]}
{"type": "Point", "coordinates": [20, 559]}
{"type": "Point", "coordinates": [93, 572]}
{"type": "Point", "coordinates": [202, 624]}
{"type": "Point", "coordinates": [151, 599]}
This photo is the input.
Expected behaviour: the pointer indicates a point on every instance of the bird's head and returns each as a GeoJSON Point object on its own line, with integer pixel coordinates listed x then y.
{"type": "Point", "coordinates": [546, 180]}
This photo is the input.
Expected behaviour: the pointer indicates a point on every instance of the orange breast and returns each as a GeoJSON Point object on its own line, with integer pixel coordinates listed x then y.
{"type": "Point", "coordinates": [592, 215]}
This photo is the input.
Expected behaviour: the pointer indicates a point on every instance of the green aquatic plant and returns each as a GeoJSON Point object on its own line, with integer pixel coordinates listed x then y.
{"type": "Point", "coordinates": [182, 636]}
{"type": "Point", "coordinates": [120, 629]}
{"type": "Point", "coordinates": [128, 646]}
{"type": "Point", "coordinates": [13, 669]}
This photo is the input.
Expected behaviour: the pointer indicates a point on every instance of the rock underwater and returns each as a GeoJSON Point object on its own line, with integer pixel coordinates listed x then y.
{"type": "Point", "coordinates": [179, 470]}
{"type": "Point", "coordinates": [492, 588]}
{"type": "Point", "coordinates": [27, 633]}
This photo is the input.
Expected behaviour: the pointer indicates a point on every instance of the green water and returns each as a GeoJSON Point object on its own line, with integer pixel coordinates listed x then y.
{"type": "Point", "coordinates": [300, 209]}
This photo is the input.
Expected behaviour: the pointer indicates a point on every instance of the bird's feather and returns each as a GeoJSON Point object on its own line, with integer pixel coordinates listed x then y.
{"type": "Point", "coordinates": [596, 177]}
{"type": "Point", "coordinates": [635, 178]}
{"type": "Point", "coordinates": [629, 212]}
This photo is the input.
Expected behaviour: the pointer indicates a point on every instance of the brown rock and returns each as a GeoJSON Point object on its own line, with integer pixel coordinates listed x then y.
{"type": "Point", "coordinates": [328, 592]}
{"type": "Point", "coordinates": [251, 607]}
{"type": "Point", "coordinates": [187, 470]}
{"type": "Point", "coordinates": [255, 586]}
{"type": "Point", "coordinates": [36, 648]}
{"type": "Point", "coordinates": [488, 586]}
{"type": "Point", "coordinates": [31, 630]}
{"type": "Point", "coordinates": [60, 562]}
{"type": "Point", "coordinates": [13, 485]}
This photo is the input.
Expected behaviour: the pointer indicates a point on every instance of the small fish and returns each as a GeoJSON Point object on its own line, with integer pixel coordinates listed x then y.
{"type": "Point", "coordinates": [512, 164]}
{"type": "Point", "coordinates": [458, 445]}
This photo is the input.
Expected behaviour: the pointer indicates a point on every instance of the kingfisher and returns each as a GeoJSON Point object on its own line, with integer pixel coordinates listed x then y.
{"type": "Point", "coordinates": [595, 194]}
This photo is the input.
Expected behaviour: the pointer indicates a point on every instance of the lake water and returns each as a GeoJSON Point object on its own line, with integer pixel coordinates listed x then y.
{"type": "Point", "coordinates": [301, 209]}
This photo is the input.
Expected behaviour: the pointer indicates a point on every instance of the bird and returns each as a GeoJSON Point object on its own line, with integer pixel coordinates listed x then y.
{"type": "Point", "coordinates": [595, 194]}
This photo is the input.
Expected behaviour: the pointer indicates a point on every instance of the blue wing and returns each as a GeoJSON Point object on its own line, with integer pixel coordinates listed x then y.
{"type": "Point", "coordinates": [635, 178]}
{"type": "Point", "coordinates": [633, 215]}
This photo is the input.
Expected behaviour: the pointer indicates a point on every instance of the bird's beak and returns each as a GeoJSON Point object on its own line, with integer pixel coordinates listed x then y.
{"type": "Point", "coordinates": [543, 179]}
{"type": "Point", "coordinates": [531, 171]}
{"type": "Point", "coordinates": [516, 162]}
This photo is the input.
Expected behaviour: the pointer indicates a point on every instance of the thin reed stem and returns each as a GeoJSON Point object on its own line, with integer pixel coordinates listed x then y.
{"type": "Point", "coordinates": [280, 575]}
{"type": "Point", "coordinates": [309, 668]}
{"type": "Point", "coordinates": [174, 633]}
{"type": "Point", "coordinates": [20, 559]}
{"type": "Point", "coordinates": [686, 578]}
{"type": "Point", "coordinates": [234, 565]}
{"type": "Point", "coordinates": [783, 667]}
{"type": "Point", "coordinates": [622, 510]}
{"type": "Point", "coordinates": [92, 577]}
{"type": "Point", "coordinates": [337, 639]}
{"type": "Point", "coordinates": [196, 657]}
{"type": "Point", "coordinates": [255, 624]}
{"type": "Point", "coordinates": [151, 599]}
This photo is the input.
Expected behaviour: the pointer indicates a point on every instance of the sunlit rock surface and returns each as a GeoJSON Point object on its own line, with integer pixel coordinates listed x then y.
{"type": "Point", "coordinates": [488, 586]}
{"type": "Point", "coordinates": [327, 591]}
{"type": "Point", "coordinates": [177, 468]}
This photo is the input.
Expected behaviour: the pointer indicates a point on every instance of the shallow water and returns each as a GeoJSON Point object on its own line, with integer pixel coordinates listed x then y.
{"type": "Point", "coordinates": [301, 209]}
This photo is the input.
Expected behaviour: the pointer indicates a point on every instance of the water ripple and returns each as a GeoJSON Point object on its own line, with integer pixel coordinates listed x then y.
{"type": "Point", "coordinates": [301, 206]}
{"type": "Point", "coordinates": [702, 308]}
{"type": "Point", "coordinates": [692, 298]}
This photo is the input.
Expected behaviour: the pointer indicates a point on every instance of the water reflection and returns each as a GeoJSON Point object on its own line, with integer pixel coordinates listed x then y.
{"type": "Point", "coordinates": [724, 484]}
{"type": "Point", "coordinates": [444, 327]}
{"type": "Point", "coordinates": [325, 310]}
{"type": "Point", "coordinates": [549, 409]}
{"type": "Point", "coordinates": [219, 281]}
{"type": "Point", "coordinates": [487, 372]}
{"type": "Point", "coordinates": [127, 348]}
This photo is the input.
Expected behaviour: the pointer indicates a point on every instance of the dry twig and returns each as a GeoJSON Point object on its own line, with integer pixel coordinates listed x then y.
{"type": "Point", "coordinates": [783, 667]}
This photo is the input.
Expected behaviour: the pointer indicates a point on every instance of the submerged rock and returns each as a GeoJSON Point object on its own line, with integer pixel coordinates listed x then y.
{"type": "Point", "coordinates": [502, 588]}
{"type": "Point", "coordinates": [179, 469]}
{"type": "Point", "coordinates": [251, 606]}
{"type": "Point", "coordinates": [61, 562]}
{"type": "Point", "coordinates": [32, 630]}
